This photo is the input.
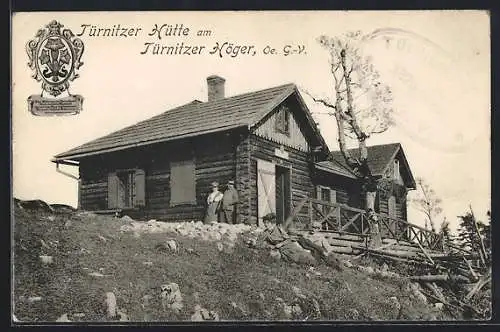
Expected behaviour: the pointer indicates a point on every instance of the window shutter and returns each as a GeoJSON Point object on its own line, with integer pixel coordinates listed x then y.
{"type": "Point", "coordinates": [112, 190]}
{"type": "Point", "coordinates": [139, 188]}
{"type": "Point", "coordinates": [333, 196]}
{"type": "Point", "coordinates": [182, 182]}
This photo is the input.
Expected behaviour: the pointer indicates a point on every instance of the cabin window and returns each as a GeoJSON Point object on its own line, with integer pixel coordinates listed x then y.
{"type": "Point", "coordinates": [182, 182]}
{"type": "Point", "coordinates": [326, 194]}
{"type": "Point", "coordinates": [283, 121]}
{"type": "Point", "coordinates": [126, 189]}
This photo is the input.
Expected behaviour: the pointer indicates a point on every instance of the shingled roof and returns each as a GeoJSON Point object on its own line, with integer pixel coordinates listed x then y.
{"type": "Point", "coordinates": [193, 119]}
{"type": "Point", "coordinates": [379, 157]}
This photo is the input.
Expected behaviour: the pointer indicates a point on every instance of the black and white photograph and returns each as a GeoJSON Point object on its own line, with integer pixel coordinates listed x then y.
{"type": "Point", "coordinates": [246, 166]}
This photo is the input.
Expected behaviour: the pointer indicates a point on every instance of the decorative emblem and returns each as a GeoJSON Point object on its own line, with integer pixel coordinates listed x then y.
{"type": "Point", "coordinates": [54, 57]}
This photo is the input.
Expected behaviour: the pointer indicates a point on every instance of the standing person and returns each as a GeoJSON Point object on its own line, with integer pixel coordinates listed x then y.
{"type": "Point", "coordinates": [376, 238]}
{"type": "Point", "coordinates": [213, 204]}
{"type": "Point", "coordinates": [230, 199]}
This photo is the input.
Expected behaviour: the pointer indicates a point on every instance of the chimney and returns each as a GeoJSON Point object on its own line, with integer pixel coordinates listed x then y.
{"type": "Point", "coordinates": [215, 87]}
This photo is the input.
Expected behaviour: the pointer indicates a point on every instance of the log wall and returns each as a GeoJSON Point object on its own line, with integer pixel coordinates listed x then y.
{"type": "Point", "coordinates": [259, 148]}
{"type": "Point", "coordinates": [214, 157]}
{"type": "Point", "coordinates": [348, 191]}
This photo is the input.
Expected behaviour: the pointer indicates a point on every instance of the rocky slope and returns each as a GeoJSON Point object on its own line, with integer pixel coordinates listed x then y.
{"type": "Point", "coordinates": [77, 266]}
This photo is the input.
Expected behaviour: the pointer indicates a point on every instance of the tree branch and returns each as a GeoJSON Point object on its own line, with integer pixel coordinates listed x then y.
{"type": "Point", "coordinates": [350, 71]}
{"type": "Point", "coordinates": [319, 100]}
{"type": "Point", "coordinates": [379, 131]}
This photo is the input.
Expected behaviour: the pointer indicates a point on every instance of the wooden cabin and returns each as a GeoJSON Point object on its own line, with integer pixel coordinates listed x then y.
{"type": "Point", "coordinates": [266, 141]}
{"type": "Point", "coordinates": [386, 161]}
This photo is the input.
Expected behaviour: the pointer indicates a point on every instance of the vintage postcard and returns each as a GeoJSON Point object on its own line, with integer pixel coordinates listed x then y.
{"type": "Point", "coordinates": [251, 166]}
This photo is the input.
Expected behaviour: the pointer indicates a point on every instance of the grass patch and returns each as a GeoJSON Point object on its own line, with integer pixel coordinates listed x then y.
{"type": "Point", "coordinates": [134, 267]}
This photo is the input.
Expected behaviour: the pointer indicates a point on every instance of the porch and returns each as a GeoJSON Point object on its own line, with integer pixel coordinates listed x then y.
{"type": "Point", "coordinates": [315, 215]}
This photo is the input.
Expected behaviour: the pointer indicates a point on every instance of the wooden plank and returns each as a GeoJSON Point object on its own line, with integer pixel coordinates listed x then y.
{"type": "Point", "coordinates": [477, 287]}
{"type": "Point", "coordinates": [426, 255]}
{"type": "Point", "coordinates": [398, 259]}
{"type": "Point", "coordinates": [387, 227]}
{"type": "Point", "coordinates": [440, 277]}
{"type": "Point", "coordinates": [459, 249]}
{"type": "Point", "coordinates": [362, 223]}
{"type": "Point", "coordinates": [87, 191]}
{"type": "Point", "coordinates": [328, 215]}
{"type": "Point", "coordinates": [470, 267]}
{"type": "Point", "coordinates": [94, 196]}
{"type": "Point", "coordinates": [344, 250]}
{"type": "Point", "coordinates": [379, 248]}
{"type": "Point", "coordinates": [433, 288]}
{"type": "Point", "coordinates": [295, 210]}
{"type": "Point", "coordinates": [351, 239]}
{"type": "Point", "coordinates": [331, 204]}
{"type": "Point", "coordinates": [476, 228]}
{"type": "Point", "coordinates": [351, 222]}
{"type": "Point", "coordinates": [425, 235]}
{"type": "Point", "coordinates": [311, 215]}
{"type": "Point", "coordinates": [342, 242]}
{"type": "Point", "coordinates": [341, 233]}
{"type": "Point", "coordinates": [88, 186]}
{"type": "Point", "coordinates": [391, 256]}
{"type": "Point", "coordinates": [417, 238]}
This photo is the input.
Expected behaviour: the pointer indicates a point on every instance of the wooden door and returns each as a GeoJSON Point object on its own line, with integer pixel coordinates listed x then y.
{"type": "Point", "coordinates": [282, 193]}
{"type": "Point", "coordinates": [122, 191]}
{"type": "Point", "coordinates": [266, 189]}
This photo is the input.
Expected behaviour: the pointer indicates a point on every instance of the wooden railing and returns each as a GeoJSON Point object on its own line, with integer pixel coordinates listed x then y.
{"type": "Point", "coordinates": [310, 214]}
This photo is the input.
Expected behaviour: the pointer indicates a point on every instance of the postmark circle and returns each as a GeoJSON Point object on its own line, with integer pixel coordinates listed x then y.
{"type": "Point", "coordinates": [427, 84]}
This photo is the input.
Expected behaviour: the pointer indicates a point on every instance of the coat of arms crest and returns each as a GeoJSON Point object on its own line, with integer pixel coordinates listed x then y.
{"type": "Point", "coordinates": [55, 57]}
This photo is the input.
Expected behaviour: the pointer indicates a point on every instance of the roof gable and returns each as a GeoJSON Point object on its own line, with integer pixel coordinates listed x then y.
{"type": "Point", "coordinates": [380, 158]}
{"type": "Point", "coordinates": [295, 137]}
{"type": "Point", "coordinates": [303, 131]}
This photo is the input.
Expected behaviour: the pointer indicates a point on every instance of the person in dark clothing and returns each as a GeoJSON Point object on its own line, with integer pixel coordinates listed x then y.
{"type": "Point", "coordinates": [229, 201]}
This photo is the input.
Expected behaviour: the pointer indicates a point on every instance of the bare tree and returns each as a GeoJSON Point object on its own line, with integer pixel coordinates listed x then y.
{"type": "Point", "coordinates": [427, 202]}
{"type": "Point", "coordinates": [362, 104]}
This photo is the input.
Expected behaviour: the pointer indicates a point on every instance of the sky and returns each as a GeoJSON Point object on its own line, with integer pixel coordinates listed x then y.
{"type": "Point", "coordinates": [437, 64]}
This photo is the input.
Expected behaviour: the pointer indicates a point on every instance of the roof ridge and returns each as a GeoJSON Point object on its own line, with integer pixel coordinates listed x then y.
{"type": "Point", "coordinates": [371, 146]}
{"type": "Point", "coordinates": [197, 102]}
{"type": "Point", "coordinates": [176, 120]}
{"type": "Point", "coordinates": [276, 87]}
